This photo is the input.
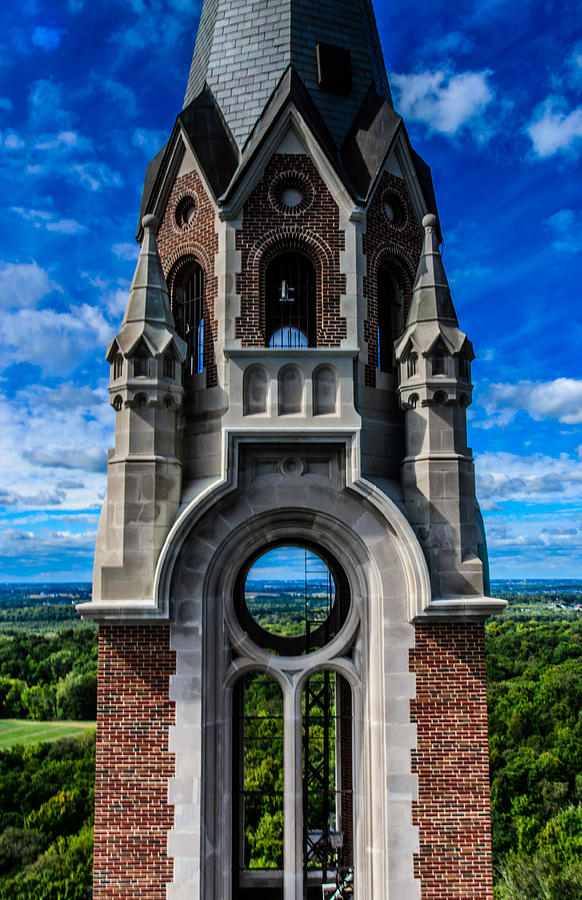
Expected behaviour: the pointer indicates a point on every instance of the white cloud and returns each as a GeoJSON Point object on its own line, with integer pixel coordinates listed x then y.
{"type": "Point", "coordinates": [55, 341]}
{"type": "Point", "coordinates": [149, 140]}
{"type": "Point", "coordinates": [45, 104]}
{"type": "Point", "coordinates": [57, 456]}
{"type": "Point", "coordinates": [12, 141]}
{"type": "Point", "coordinates": [555, 130]}
{"type": "Point", "coordinates": [47, 37]}
{"type": "Point", "coordinates": [536, 479]}
{"type": "Point", "coordinates": [445, 101]}
{"type": "Point", "coordinates": [566, 226]}
{"type": "Point", "coordinates": [63, 141]}
{"type": "Point", "coordinates": [6, 104]}
{"type": "Point", "coordinates": [559, 399]}
{"type": "Point", "coordinates": [126, 251]}
{"type": "Point", "coordinates": [24, 284]}
{"type": "Point", "coordinates": [41, 218]}
{"type": "Point", "coordinates": [95, 176]}
{"type": "Point", "coordinates": [15, 542]}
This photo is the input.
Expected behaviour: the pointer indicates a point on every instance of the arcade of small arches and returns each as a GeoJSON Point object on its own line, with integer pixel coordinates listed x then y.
{"type": "Point", "coordinates": [258, 392]}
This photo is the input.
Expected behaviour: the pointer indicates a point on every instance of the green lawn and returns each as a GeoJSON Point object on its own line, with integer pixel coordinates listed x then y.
{"type": "Point", "coordinates": [27, 731]}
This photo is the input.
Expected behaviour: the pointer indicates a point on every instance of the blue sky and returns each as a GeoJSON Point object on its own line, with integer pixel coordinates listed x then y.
{"type": "Point", "coordinates": [492, 95]}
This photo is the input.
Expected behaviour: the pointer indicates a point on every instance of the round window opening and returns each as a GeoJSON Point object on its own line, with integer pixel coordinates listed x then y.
{"type": "Point", "coordinates": [291, 599]}
{"type": "Point", "coordinates": [394, 210]}
{"type": "Point", "coordinates": [185, 211]}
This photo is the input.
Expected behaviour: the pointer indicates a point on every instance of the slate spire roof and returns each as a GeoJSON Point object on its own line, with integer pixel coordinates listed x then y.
{"type": "Point", "coordinates": [243, 47]}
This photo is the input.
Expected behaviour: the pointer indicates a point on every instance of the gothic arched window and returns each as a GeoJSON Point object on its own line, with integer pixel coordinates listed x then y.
{"type": "Point", "coordinates": [118, 366]}
{"type": "Point", "coordinates": [188, 309]}
{"type": "Point", "coordinates": [290, 301]}
{"type": "Point", "coordinates": [292, 600]}
{"type": "Point", "coordinates": [412, 365]}
{"type": "Point", "coordinates": [389, 302]}
{"type": "Point", "coordinates": [439, 360]}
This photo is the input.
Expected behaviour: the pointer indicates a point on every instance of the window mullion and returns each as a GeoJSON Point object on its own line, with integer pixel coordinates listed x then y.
{"type": "Point", "coordinates": [293, 810]}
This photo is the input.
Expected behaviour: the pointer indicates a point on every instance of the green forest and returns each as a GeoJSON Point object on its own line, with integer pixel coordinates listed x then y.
{"type": "Point", "coordinates": [534, 670]}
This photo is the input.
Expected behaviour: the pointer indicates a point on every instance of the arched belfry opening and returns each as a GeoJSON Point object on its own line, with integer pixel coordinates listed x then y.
{"type": "Point", "coordinates": [290, 301]}
{"type": "Point", "coordinates": [188, 309]}
{"type": "Point", "coordinates": [389, 316]}
{"type": "Point", "coordinates": [292, 599]}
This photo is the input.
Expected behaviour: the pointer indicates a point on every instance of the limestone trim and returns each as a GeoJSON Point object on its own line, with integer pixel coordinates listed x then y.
{"type": "Point", "coordinates": [451, 609]}
{"type": "Point", "coordinates": [376, 633]}
{"type": "Point", "coordinates": [291, 119]}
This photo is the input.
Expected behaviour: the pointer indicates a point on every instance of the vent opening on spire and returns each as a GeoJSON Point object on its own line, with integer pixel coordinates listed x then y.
{"type": "Point", "coordinates": [334, 68]}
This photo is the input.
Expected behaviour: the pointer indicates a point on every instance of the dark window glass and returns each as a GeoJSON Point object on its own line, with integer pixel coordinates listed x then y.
{"type": "Point", "coordinates": [439, 361]}
{"type": "Point", "coordinates": [140, 364]}
{"type": "Point", "coordinates": [290, 301]}
{"type": "Point", "coordinates": [388, 293]}
{"type": "Point", "coordinates": [118, 366]}
{"type": "Point", "coordinates": [188, 313]}
{"type": "Point", "coordinates": [169, 367]}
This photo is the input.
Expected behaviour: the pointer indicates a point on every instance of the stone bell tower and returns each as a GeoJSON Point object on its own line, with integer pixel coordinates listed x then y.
{"type": "Point", "coordinates": [290, 385]}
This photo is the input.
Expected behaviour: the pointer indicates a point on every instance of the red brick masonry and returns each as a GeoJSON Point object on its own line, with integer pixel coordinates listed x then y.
{"type": "Point", "coordinates": [132, 815]}
{"type": "Point", "coordinates": [452, 762]}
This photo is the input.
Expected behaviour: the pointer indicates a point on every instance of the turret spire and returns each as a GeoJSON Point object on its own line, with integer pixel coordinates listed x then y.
{"type": "Point", "coordinates": [148, 314]}
{"type": "Point", "coordinates": [431, 295]}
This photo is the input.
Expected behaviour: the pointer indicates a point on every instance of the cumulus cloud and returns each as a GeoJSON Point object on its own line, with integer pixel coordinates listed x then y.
{"type": "Point", "coordinates": [445, 101]}
{"type": "Point", "coordinates": [64, 141]}
{"type": "Point", "coordinates": [45, 102]}
{"type": "Point", "coordinates": [149, 140]}
{"type": "Point", "coordinates": [16, 542]}
{"type": "Point", "coordinates": [49, 221]}
{"type": "Point", "coordinates": [537, 478]}
{"type": "Point", "coordinates": [12, 141]}
{"type": "Point", "coordinates": [126, 251]}
{"type": "Point", "coordinates": [47, 38]}
{"type": "Point", "coordinates": [566, 228]}
{"type": "Point", "coordinates": [559, 399]}
{"type": "Point", "coordinates": [537, 542]}
{"type": "Point", "coordinates": [56, 341]}
{"type": "Point", "coordinates": [94, 176]}
{"type": "Point", "coordinates": [24, 284]}
{"type": "Point", "coordinates": [553, 129]}
{"type": "Point", "coordinates": [54, 456]}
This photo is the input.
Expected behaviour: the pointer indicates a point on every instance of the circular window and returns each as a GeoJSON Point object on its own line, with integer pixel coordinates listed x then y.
{"type": "Point", "coordinates": [291, 193]}
{"type": "Point", "coordinates": [185, 211]}
{"type": "Point", "coordinates": [394, 209]}
{"type": "Point", "coordinates": [291, 196]}
{"type": "Point", "coordinates": [291, 598]}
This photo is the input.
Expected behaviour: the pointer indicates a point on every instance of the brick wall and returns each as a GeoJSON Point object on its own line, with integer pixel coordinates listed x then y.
{"type": "Point", "coordinates": [313, 230]}
{"type": "Point", "coordinates": [197, 241]}
{"type": "Point", "coordinates": [132, 815]}
{"type": "Point", "coordinates": [452, 762]}
{"type": "Point", "coordinates": [397, 247]}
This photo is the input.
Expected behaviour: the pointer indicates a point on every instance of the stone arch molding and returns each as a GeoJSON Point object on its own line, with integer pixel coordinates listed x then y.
{"type": "Point", "coordinates": [202, 559]}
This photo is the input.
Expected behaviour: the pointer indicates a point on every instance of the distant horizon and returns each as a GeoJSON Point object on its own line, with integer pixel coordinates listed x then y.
{"type": "Point", "coordinates": [81, 581]}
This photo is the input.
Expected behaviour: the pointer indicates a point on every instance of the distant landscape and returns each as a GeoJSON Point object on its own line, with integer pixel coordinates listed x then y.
{"type": "Point", "coordinates": [48, 669]}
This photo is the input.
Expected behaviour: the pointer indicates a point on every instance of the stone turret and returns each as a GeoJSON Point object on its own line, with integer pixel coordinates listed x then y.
{"type": "Point", "coordinates": [144, 474]}
{"type": "Point", "coordinates": [434, 358]}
